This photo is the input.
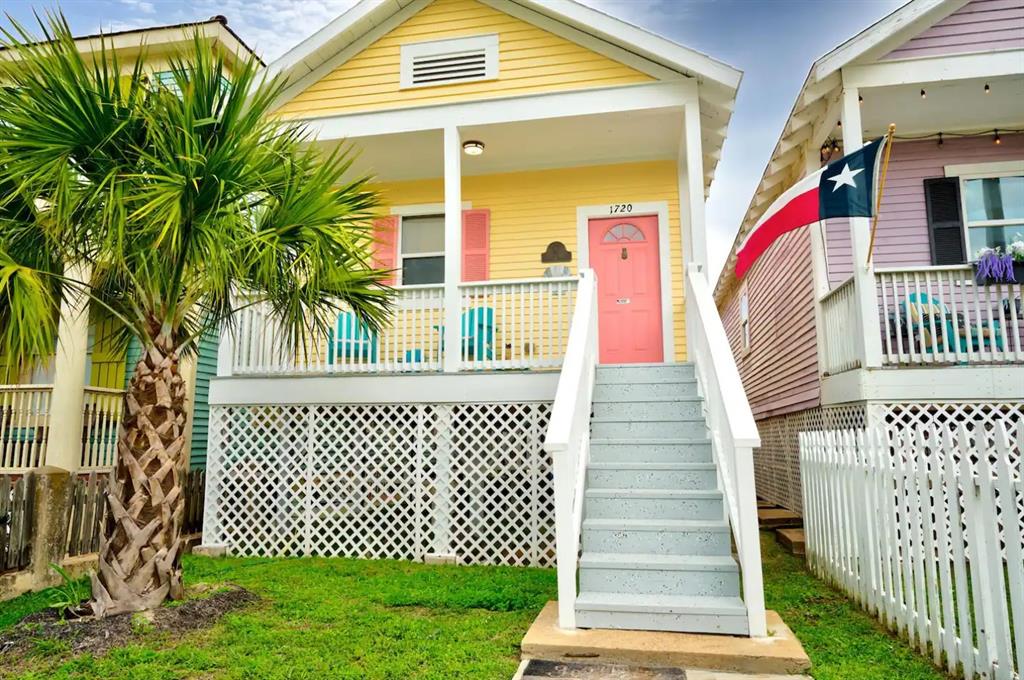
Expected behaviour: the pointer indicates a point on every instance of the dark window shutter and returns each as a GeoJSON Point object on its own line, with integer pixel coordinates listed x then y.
{"type": "Point", "coordinates": [945, 224]}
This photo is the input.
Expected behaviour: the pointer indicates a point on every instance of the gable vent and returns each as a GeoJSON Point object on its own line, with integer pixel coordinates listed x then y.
{"type": "Point", "coordinates": [441, 62]}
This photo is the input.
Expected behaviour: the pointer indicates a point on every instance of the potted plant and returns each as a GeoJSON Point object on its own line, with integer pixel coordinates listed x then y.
{"type": "Point", "coordinates": [992, 265]}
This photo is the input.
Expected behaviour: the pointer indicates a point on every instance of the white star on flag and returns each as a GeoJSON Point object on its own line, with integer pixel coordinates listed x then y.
{"type": "Point", "coordinates": [845, 178]}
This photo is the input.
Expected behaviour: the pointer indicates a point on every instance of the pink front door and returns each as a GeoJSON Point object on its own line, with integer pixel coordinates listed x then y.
{"type": "Point", "coordinates": [624, 253]}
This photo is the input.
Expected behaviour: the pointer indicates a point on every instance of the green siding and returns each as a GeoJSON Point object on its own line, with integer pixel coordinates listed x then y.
{"type": "Point", "coordinates": [206, 368]}
{"type": "Point", "coordinates": [131, 358]}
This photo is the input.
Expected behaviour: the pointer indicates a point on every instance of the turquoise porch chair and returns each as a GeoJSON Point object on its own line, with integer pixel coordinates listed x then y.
{"type": "Point", "coordinates": [477, 334]}
{"type": "Point", "coordinates": [351, 339]}
{"type": "Point", "coordinates": [921, 311]}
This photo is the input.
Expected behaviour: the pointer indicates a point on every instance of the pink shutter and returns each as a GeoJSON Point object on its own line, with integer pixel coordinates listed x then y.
{"type": "Point", "coordinates": [385, 236]}
{"type": "Point", "coordinates": [476, 244]}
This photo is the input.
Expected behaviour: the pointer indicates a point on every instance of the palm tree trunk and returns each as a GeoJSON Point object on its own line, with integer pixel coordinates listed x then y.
{"type": "Point", "coordinates": [140, 553]}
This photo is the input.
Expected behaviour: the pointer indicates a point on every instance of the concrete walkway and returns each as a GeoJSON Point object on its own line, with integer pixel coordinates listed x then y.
{"type": "Point", "coordinates": [571, 670]}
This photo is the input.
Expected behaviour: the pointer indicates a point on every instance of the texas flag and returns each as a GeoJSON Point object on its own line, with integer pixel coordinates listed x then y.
{"type": "Point", "coordinates": [843, 188]}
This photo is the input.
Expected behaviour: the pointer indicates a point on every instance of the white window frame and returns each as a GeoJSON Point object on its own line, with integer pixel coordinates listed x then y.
{"type": "Point", "coordinates": [409, 51]}
{"type": "Point", "coordinates": [969, 171]}
{"type": "Point", "coordinates": [416, 210]}
{"type": "Point", "coordinates": [744, 319]}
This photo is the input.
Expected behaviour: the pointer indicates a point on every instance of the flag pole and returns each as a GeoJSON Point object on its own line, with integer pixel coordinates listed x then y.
{"type": "Point", "coordinates": [881, 188]}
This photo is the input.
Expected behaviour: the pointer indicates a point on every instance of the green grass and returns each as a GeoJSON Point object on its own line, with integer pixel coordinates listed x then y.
{"type": "Point", "coordinates": [334, 618]}
{"type": "Point", "coordinates": [843, 642]}
{"type": "Point", "coordinates": [341, 618]}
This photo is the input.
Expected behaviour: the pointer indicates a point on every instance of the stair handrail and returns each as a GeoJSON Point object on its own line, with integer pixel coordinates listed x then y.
{"type": "Point", "coordinates": [568, 440]}
{"type": "Point", "coordinates": [734, 435]}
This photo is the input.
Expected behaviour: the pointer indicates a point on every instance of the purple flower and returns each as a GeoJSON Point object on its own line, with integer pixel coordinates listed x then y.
{"type": "Point", "coordinates": [993, 265]}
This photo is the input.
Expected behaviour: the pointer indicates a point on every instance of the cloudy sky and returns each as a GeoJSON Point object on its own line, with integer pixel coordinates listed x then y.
{"type": "Point", "coordinates": [772, 41]}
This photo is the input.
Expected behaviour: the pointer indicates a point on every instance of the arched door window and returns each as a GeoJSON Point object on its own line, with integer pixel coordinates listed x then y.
{"type": "Point", "coordinates": [623, 233]}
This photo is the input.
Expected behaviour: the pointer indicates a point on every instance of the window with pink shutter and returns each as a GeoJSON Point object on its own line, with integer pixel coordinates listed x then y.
{"type": "Point", "coordinates": [476, 244]}
{"type": "Point", "coordinates": [385, 235]}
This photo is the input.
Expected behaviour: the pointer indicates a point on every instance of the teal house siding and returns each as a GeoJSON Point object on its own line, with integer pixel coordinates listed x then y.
{"type": "Point", "coordinates": [206, 368]}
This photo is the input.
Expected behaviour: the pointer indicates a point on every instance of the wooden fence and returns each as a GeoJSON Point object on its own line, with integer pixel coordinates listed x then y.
{"type": "Point", "coordinates": [88, 510]}
{"type": "Point", "coordinates": [927, 533]}
{"type": "Point", "coordinates": [16, 507]}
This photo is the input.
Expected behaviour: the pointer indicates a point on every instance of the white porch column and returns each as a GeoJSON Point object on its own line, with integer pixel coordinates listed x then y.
{"type": "Point", "coordinates": [819, 258]}
{"type": "Point", "coordinates": [860, 235]}
{"type": "Point", "coordinates": [691, 189]}
{"type": "Point", "coordinates": [690, 166]}
{"type": "Point", "coordinates": [452, 249]}
{"type": "Point", "coordinates": [64, 445]}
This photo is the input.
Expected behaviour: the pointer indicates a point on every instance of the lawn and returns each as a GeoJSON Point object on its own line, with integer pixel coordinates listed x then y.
{"type": "Point", "coordinates": [339, 618]}
{"type": "Point", "coordinates": [329, 618]}
{"type": "Point", "coordinates": [844, 642]}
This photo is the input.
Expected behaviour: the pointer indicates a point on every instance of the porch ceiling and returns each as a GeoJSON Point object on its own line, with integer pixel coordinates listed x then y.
{"type": "Point", "coordinates": [528, 145]}
{"type": "Point", "coordinates": [960, 105]}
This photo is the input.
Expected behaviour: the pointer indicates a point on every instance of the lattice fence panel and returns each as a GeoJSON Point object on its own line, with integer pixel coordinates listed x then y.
{"type": "Point", "coordinates": [382, 481]}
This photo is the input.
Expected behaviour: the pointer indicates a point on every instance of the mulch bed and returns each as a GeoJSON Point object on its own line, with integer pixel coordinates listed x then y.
{"type": "Point", "coordinates": [97, 636]}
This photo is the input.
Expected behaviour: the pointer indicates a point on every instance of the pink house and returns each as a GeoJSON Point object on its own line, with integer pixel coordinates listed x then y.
{"type": "Point", "coordinates": [825, 338]}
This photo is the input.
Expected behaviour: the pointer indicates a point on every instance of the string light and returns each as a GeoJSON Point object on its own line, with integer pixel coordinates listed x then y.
{"type": "Point", "coordinates": [839, 123]}
{"type": "Point", "coordinates": [924, 95]}
{"type": "Point", "coordinates": [940, 139]}
{"type": "Point", "coordinates": [996, 139]}
{"type": "Point", "coordinates": [988, 90]}
{"type": "Point", "coordinates": [860, 99]}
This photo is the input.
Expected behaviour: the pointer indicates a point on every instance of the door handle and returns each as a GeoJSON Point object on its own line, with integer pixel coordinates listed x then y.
{"type": "Point", "coordinates": [622, 301]}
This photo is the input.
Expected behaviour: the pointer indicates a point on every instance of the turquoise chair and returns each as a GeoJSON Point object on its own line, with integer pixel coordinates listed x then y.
{"type": "Point", "coordinates": [351, 339]}
{"type": "Point", "coordinates": [916, 311]}
{"type": "Point", "coordinates": [477, 334]}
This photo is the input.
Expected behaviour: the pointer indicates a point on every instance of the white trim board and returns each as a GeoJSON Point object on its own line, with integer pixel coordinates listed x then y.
{"type": "Point", "coordinates": [598, 100]}
{"type": "Point", "coordinates": [585, 213]}
{"type": "Point", "coordinates": [472, 387]}
{"type": "Point", "coordinates": [926, 383]}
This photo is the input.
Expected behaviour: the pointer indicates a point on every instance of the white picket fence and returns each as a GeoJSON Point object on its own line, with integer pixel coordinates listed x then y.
{"type": "Point", "coordinates": [927, 533]}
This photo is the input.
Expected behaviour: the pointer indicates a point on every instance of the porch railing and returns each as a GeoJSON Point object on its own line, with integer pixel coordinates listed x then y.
{"type": "Point", "coordinates": [941, 315]}
{"type": "Point", "coordinates": [100, 420]}
{"type": "Point", "coordinates": [568, 441]}
{"type": "Point", "coordinates": [24, 425]}
{"type": "Point", "coordinates": [516, 324]}
{"type": "Point", "coordinates": [839, 316]}
{"type": "Point", "coordinates": [733, 437]}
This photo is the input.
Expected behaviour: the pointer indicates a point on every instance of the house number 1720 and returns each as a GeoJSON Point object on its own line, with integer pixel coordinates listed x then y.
{"type": "Point", "coordinates": [621, 208]}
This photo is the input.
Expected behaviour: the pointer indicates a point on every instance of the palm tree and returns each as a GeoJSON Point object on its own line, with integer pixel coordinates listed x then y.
{"type": "Point", "coordinates": [179, 200]}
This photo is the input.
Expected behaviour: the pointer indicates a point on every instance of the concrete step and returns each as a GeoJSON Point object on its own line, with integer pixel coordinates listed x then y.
{"type": "Point", "coordinates": [657, 536]}
{"type": "Point", "coordinates": [644, 390]}
{"type": "Point", "coordinates": [792, 540]}
{"type": "Point", "coordinates": [724, 615]}
{"type": "Point", "coordinates": [617, 428]}
{"type": "Point", "coordinates": [652, 504]}
{"type": "Point", "coordinates": [652, 476]}
{"type": "Point", "coordinates": [686, 450]}
{"type": "Point", "coordinates": [651, 408]}
{"type": "Point", "coordinates": [643, 373]}
{"type": "Point", "coordinates": [774, 518]}
{"type": "Point", "coordinates": [648, 574]}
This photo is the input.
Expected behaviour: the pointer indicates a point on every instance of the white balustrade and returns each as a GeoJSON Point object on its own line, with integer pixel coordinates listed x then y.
{"type": "Point", "coordinates": [733, 437]}
{"type": "Point", "coordinates": [24, 425]}
{"type": "Point", "coordinates": [568, 440]}
{"type": "Point", "coordinates": [941, 315]}
{"type": "Point", "coordinates": [519, 324]}
{"type": "Point", "coordinates": [100, 422]}
{"type": "Point", "coordinates": [841, 350]}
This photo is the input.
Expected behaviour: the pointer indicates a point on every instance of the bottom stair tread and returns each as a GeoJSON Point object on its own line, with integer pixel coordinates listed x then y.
{"type": "Point", "coordinates": [660, 604]}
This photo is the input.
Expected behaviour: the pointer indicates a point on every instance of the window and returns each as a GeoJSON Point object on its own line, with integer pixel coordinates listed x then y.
{"type": "Point", "coordinates": [623, 233]}
{"type": "Point", "coordinates": [421, 249]}
{"type": "Point", "coordinates": [166, 79]}
{"type": "Point", "coordinates": [456, 60]}
{"type": "Point", "coordinates": [993, 210]}
{"type": "Point", "coordinates": [745, 319]}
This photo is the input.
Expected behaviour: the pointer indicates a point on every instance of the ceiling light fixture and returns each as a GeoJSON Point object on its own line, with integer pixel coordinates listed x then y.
{"type": "Point", "coordinates": [988, 90]}
{"type": "Point", "coordinates": [924, 95]}
{"type": "Point", "coordinates": [473, 147]}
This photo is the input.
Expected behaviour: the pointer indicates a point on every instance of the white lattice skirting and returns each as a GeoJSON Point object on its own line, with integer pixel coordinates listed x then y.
{"type": "Point", "coordinates": [777, 461]}
{"type": "Point", "coordinates": [382, 481]}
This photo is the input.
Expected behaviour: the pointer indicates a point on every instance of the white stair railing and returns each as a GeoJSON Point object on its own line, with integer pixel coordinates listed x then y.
{"type": "Point", "coordinates": [733, 436]}
{"type": "Point", "coordinates": [568, 440]}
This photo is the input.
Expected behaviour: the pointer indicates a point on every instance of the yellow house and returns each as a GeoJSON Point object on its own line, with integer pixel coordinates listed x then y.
{"type": "Point", "coordinates": [556, 379]}
{"type": "Point", "coordinates": [64, 410]}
